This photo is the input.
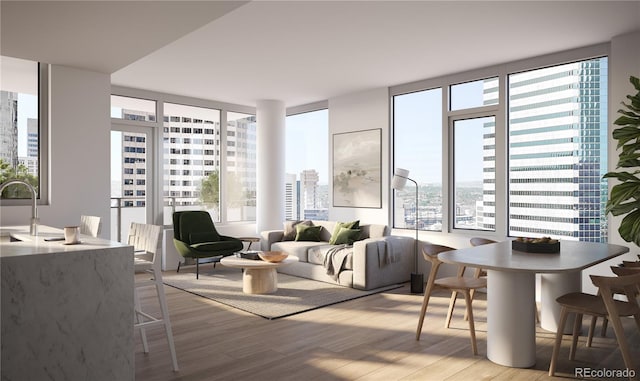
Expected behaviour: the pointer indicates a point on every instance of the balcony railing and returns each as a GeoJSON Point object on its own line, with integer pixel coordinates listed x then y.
{"type": "Point", "coordinates": [125, 210]}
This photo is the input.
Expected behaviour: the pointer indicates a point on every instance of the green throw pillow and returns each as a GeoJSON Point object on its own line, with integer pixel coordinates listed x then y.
{"type": "Point", "coordinates": [308, 233]}
{"type": "Point", "coordinates": [347, 236]}
{"type": "Point", "coordinates": [290, 229]}
{"type": "Point", "coordinates": [347, 225]}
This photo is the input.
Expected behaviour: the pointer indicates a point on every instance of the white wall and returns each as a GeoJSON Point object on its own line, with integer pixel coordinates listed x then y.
{"type": "Point", "coordinates": [355, 112]}
{"type": "Point", "coordinates": [79, 168]}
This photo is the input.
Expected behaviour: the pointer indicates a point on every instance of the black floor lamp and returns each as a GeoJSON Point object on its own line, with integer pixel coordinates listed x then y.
{"type": "Point", "coordinates": [399, 181]}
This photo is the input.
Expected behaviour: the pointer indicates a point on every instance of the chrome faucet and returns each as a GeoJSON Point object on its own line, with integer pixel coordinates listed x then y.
{"type": "Point", "coordinates": [33, 226]}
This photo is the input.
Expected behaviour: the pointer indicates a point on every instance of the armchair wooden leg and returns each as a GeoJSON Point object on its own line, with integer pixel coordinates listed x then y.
{"type": "Point", "coordinates": [472, 329]}
{"type": "Point", "coordinates": [605, 324]}
{"type": "Point", "coordinates": [452, 304]}
{"type": "Point", "coordinates": [574, 338]}
{"type": "Point", "coordinates": [556, 346]}
{"type": "Point", "coordinates": [592, 329]}
{"type": "Point", "coordinates": [423, 311]}
{"type": "Point", "coordinates": [622, 341]}
{"type": "Point", "coordinates": [179, 263]}
{"type": "Point", "coordinates": [197, 268]}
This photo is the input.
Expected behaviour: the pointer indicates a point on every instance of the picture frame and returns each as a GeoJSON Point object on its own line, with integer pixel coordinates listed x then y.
{"type": "Point", "coordinates": [357, 169]}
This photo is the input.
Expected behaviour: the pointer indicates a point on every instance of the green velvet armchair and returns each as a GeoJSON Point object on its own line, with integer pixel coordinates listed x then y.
{"type": "Point", "coordinates": [195, 236]}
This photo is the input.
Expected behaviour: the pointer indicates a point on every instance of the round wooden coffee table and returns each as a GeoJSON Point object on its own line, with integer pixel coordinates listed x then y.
{"type": "Point", "coordinates": [259, 277]}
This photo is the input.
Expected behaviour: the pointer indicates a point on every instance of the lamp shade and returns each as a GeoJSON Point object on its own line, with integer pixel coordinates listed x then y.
{"type": "Point", "coordinates": [399, 178]}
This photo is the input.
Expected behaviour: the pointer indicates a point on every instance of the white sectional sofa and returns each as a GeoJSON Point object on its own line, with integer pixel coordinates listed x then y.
{"type": "Point", "coordinates": [376, 260]}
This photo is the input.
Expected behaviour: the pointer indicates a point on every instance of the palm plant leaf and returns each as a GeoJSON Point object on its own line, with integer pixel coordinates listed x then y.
{"type": "Point", "coordinates": [630, 227]}
{"type": "Point", "coordinates": [626, 134]}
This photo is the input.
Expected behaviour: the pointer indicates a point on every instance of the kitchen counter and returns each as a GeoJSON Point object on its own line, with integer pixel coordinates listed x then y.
{"type": "Point", "coordinates": [67, 310]}
{"type": "Point", "coordinates": [16, 241]}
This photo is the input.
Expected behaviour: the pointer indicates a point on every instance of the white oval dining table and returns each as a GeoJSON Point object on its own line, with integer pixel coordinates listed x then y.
{"type": "Point", "coordinates": [511, 325]}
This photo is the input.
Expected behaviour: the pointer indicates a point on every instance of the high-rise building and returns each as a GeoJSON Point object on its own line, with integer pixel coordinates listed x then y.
{"type": "Point", "coordinates": [32, 137]}
{"type": "Point", "coordinates": [191, 154]}
{"type": "Point", "coordinates": [134, 167]}
{"type": "Point", "coordinates": [9, 127]}
{"type": "Point", "coordinates": [309, 182]}
{"type": "Point", "coordinates": [557, 151]}
{"type": "Point", "coordinates": [31, 160]}
{"type": "Point", "coordinates": [241, 168]}
{"type": "Point", "coordinates": [291, 197]}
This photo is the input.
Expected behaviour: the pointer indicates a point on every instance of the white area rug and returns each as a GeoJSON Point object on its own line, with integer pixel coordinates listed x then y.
{"type": "Point", "coordinates": [294, 295]}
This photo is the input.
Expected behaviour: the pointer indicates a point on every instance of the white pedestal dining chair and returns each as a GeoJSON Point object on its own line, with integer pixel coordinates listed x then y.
{"type": "Point", "coordinates": [145, 240]}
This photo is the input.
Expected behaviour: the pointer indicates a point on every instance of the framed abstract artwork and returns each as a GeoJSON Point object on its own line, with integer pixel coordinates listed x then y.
{"type": "Point", "coordinates": [357, 169]}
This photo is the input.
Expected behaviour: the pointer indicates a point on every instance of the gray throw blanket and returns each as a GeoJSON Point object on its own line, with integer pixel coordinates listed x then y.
{"type": "Point", "coordinates": [386, 254]}
{"type": "Point", "coordinates": [336, 260]}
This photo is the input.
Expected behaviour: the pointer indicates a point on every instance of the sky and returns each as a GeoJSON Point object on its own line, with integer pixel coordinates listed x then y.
{"type": "Point", "coordinates": [27, 109]}
{"type": "Point", "coordinates": [307, 137]}
{"type": "Point", "coordinates": [418, 134]}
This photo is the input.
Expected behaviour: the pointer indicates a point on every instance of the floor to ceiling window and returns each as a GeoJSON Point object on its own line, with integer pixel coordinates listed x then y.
{"type": "Point", "coordinates": [558, 151]}
{"type": "Point", "coordinates": [22, 130]}
{"type": "Point", "coordinates": [418, 149]}
{"type": "Point", "coordinates": [241, 167]}
{"type": "Point", "coordinates": [472, 126]}
{"type": "Point", "coordinates": [524, 153]}
{"type": "Point", "coordinates": [307, 170]}
{"type": "Point", "coordinates": [473, 173]}
{"type": "Point", "coordinates": [131, 163]}
{"type": "Point", "coordinates": [191, 152]}
{"type": "Point", "coordinates": [199, 157]}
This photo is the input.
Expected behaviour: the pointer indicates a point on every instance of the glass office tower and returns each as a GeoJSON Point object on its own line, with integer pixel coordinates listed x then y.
{"type": "Point", "coordinates": [557, 121]}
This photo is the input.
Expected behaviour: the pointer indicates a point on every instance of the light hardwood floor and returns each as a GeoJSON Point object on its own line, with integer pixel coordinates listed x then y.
{"type": "Point", "coordinates": [371, 338]}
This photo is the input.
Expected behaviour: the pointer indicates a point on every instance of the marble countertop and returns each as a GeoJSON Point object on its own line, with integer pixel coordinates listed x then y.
{"type": "Point", "coordinates": [36, 245]}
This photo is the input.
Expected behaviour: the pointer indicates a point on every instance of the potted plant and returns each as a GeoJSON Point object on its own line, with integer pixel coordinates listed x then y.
{"type": "Point", "coordinates": [625, 196]}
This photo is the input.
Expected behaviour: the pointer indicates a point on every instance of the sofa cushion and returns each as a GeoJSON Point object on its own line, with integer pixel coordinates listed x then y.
{"type": "Point", "coordinates": [374, 231]}
{"type": "Point", "coordinates": [316, 255]}
{"type": "Point", "coordinates": [327, 229]}
{"type": "Point", "coordinates": [296, 248]}
{"type": "Point", "coordinates": [346, 236]}
{"type": "Point", "coordinates": [308, 233]}
{"type": "Point", "coordinates": [290, 229]}
{"type": "Point", "coordinates": [348, 225]}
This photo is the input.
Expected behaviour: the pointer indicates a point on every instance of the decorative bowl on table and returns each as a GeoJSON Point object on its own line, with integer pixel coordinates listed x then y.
{"type": "Point", "coordinates": [536, 245]}
{"type": "Point", "coordinates": [273, 256]}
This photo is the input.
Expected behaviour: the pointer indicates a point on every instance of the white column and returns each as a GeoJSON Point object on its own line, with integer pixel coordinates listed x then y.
{"type": "Point", "coordinates": [270, 116]}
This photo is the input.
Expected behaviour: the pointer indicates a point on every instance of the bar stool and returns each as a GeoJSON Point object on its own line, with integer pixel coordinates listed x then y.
{"type": "Point", "coordinates": [90, 225]}
{"type": "Point", "coordinates": [145, 240]}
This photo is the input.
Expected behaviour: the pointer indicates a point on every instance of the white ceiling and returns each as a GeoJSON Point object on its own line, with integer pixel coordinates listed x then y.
{"type": "Point", "coordinates": [299, 51]}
